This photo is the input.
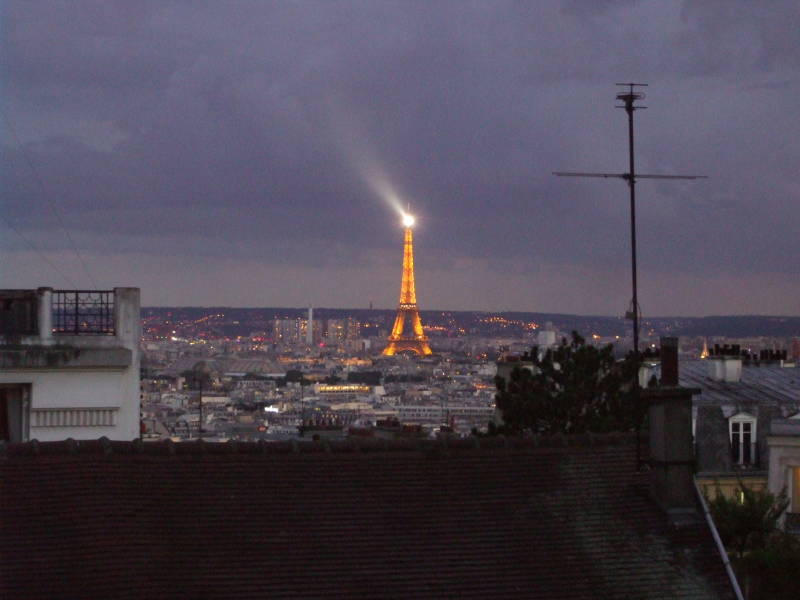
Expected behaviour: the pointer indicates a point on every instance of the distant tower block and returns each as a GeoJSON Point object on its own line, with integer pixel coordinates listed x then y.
{"type": "Point", "coordinates": [407, 334]}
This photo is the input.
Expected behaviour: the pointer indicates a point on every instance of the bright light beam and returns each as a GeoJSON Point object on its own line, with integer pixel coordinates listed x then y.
{"type": "Point", "coordinates": [354, 143]}
{"type": "Point", "coordinates": [384, 190]}
{"type": "Point", "coordinates": [408, 220]}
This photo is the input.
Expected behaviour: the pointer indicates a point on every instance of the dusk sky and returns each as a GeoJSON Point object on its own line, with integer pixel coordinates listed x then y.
{"type": "Point", "coordinates": [248, 153]}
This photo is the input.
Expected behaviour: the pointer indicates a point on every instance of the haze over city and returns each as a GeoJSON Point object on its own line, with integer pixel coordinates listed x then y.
{"type": "Point", "coordinates": [248, 153]}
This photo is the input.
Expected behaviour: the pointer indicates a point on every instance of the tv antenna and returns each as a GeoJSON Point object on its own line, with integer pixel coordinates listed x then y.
{"type": "Point", "coordinates": [628, 97]}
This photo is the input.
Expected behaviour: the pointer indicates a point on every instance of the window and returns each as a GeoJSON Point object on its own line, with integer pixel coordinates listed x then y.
{"type": "Point", "coordinates": [14, 412]}
{"type": "Point", "coordinates": [743, 439]}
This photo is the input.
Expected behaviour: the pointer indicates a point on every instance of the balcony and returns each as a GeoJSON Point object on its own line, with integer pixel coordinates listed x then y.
{"type": "Point", "coordinates": [46, 328]}
{"type": "Point", "coordinates": [83, 312]}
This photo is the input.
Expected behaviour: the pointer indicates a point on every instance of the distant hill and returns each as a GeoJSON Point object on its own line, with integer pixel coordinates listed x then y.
{"type": "Point", "coordinates": [242, 321]}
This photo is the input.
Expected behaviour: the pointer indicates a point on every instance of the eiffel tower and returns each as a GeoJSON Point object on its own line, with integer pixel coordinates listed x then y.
{"type": "Point", "coordinates": [407, 312]}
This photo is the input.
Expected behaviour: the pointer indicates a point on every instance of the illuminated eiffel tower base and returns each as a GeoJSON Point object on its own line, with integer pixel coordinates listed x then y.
{"type": "Point", "coordinates": [407, 334]}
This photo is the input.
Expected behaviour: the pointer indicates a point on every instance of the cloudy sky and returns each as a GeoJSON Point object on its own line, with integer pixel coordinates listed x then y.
{"type": "Point", "coordinates": [249, 153]}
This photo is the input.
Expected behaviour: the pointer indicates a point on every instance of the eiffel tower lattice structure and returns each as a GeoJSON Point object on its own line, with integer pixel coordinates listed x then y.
{"type": "Point", "coordinates": [407, 334]}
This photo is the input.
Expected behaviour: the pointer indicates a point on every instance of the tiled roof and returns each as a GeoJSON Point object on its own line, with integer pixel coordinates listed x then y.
{"type": "Point", "coordinates": [764, 384]}
{"type": "Point", "coordinates": [566, 517]}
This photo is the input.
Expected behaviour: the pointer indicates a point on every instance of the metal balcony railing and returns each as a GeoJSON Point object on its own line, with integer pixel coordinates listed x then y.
{"type": "Point", "coordinates": [83, 312]}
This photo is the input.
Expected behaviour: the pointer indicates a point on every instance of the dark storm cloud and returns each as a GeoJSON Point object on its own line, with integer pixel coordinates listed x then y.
{"type": "Point", "coordinates": [266, 133]}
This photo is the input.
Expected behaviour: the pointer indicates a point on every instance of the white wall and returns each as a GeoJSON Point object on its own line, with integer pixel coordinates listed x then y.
{"type": "Point", "coordinates": [784, 455]}
{"type": "Point", "coordinates": [92, 386]}
{"type": "Point", "coordinates": [81, 389]}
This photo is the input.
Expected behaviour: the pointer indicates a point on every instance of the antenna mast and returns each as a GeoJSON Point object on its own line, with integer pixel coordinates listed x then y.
{"type": "Point", "coordinates": [628, 97]}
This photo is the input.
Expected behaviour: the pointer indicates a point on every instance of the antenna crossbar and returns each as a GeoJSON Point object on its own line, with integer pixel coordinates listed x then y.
{"type": "Point", "coordinates": [671, 176]}
{"type": "Point", "coordinates": [626, 175]}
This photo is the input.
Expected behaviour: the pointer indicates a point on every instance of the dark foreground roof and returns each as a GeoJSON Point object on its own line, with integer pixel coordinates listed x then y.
{"type": "Point", "coordinates": [563, 518]}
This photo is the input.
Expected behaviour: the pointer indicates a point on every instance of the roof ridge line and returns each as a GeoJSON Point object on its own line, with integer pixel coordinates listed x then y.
{"type": "Point", "coordinates": [105, 447]}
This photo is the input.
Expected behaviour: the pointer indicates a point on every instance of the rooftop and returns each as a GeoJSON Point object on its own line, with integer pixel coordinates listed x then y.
{"type": "Point", "coordinates": [47, 328]}
{"type": "Point", "coordinates": [563, 517]}
{"type": "Point", "coordinates": [760, 384]}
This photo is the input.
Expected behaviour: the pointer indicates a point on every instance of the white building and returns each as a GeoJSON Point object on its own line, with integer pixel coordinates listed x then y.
{"type": "Point", "coordinates": [784, 466]}
{"type": "Point", "coordinates": [409, 413]}
{"type": "Point", "coordinates": [69, 364]}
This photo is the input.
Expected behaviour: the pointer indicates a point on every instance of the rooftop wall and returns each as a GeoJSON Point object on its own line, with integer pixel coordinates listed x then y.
{"type": "Point", "coordinates": [76, 318]}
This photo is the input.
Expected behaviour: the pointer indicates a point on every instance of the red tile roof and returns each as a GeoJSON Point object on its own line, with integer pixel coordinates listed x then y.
{"type": "Point", "coordinates": [559, 518]}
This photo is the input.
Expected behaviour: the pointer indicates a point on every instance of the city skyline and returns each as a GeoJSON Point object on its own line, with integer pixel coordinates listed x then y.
{"type": "Point", "coordinates": [249, 154]}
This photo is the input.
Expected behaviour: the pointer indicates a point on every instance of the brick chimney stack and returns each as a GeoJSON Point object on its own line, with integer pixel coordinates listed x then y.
{"type": "Point", "coordinates": [671, 445]}
{"type": "Point", "coordinates": [669, 361]}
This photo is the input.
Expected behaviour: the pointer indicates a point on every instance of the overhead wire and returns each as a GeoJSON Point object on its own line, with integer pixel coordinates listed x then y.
{"type": "Point", "coordinates": [39, 252]}
{"type": "Point", "coordinates": [47, 199]}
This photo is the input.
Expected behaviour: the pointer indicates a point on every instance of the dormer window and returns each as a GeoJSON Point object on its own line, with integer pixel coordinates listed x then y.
{"type": "Point", "coordinates": [743, 438]}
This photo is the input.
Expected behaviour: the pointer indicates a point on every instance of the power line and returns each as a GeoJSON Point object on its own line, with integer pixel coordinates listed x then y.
{"type": "Point", "coordinates": [39, 252]}
{"type": "Point", "coordinates": [52, 205]}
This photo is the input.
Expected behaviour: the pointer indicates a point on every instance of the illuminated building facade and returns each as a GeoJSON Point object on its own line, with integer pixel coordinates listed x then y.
{"type": "Point", "coordinates": [296, 331]}
{"type": "Point", "coordinates": [289, 330]}
{"type": "Point", "coordinates": [407, 334]}
{"type": "Point", "coordinates": [337, 330]}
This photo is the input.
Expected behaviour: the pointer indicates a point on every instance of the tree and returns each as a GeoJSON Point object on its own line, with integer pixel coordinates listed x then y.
{"type": "Point", "coordinates": [746, 523]}
{"type": "Point", "coordinates": [365, 377]}
{"type": "Point", "coordinates": [765, 558]}
{"type": "Point", "coordinates": [573, 388]}
{"type": "Point", "coordinates": [200, 376]}
{"type": "Point", "coordinates": [771, 573]}
{"type": "Point", "coordinates": [296, 376]}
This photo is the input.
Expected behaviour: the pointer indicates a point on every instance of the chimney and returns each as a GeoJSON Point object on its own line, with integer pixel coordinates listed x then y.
{"type": "Point", "coordinates": [671, 444]}
{"type": "Point", "coordinates": [725, 367]}
{"type": "Point", "coordinates": [669, 361]}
